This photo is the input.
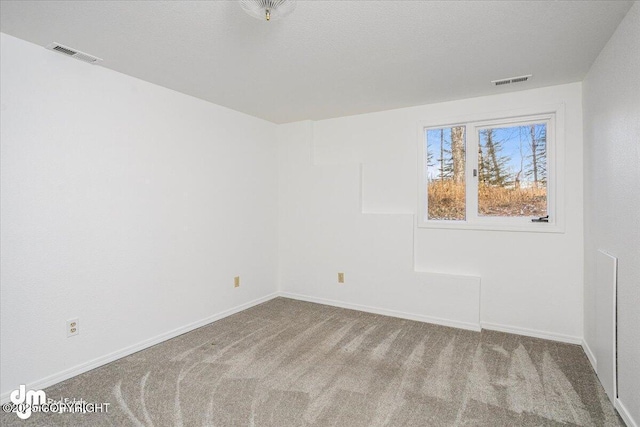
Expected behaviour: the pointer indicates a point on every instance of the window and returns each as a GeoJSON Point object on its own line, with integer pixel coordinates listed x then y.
{"type": "Point", "coordinates": [489, 174]}
{"type": "Point", "coordinates": [446, 186]}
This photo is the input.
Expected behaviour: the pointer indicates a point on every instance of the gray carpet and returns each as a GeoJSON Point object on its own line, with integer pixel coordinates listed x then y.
{"type": "Point", "coordinates": [291, 363]}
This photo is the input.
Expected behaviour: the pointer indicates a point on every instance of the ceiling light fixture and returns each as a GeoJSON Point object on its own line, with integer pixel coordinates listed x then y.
{"type": "Point", "coordinates": [268, 9]}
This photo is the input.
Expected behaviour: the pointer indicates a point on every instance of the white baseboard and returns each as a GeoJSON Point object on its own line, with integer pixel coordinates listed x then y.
{"type": "Point", "coordinates": [532, 333]}
{"type": "Point", "coordinates": [590, 355]}
{"type": "Point", "coordinates": [624, 414]}
{"type": "Point", "coordinates": [103, 360]}
{"type": "Point", "coordinates": [384, 311]}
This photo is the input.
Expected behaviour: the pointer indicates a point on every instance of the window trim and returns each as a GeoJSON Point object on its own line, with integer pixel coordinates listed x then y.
{"type": "Point", "coordinates": [553, 115]}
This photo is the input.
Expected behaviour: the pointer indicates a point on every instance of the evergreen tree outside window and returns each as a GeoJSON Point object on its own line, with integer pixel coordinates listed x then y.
{"type": "Point", "coordinates": [490, 173]}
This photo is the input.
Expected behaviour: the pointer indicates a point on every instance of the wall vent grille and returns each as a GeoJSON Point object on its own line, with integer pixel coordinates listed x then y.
{"type": "Point", "coordinates": [74, 53]}
{"type": "Point", "coordinates": [510, 80]}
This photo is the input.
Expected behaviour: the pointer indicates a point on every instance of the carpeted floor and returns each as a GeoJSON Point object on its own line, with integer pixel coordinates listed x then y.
{"type": "Point", "coordinates": [291, 363]}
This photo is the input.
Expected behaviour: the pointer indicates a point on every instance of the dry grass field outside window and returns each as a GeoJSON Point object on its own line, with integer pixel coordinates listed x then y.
{"type": "Point", "coordinates": [446, 201]}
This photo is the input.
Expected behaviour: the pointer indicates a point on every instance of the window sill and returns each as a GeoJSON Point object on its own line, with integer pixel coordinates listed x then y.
{"type": "Point", "coordinates": [522, 228]}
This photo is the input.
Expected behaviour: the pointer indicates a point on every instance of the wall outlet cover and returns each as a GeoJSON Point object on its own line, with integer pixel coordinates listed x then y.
{"type": "Point", "coordinates": [73, 327]}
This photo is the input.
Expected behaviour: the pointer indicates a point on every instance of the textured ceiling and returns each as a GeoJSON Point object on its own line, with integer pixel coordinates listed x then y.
{"type": "Point", "coordinates": [328, 58]}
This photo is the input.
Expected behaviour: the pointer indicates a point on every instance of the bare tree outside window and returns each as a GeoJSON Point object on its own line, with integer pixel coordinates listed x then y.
{"type": "Point", "coordinates": [490, 173]}
{"type": "Point", "coordinates": [446, 191]}
{"type": "Point", "coordinates": [512, 171]}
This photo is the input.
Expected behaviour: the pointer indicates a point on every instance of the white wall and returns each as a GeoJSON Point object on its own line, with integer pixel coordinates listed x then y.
{"type": "Point", "coordinates": [612, 193]}
{"type": "Point", "coordinates": [347, 198]}
{"type": "Point", "coordinates": [125, 204]}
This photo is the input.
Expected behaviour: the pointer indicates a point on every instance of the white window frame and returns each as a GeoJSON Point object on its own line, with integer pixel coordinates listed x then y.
{"type": "Point", "coordinates": [553, 116]}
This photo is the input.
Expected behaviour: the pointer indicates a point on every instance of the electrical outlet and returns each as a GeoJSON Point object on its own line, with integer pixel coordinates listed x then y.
{"type": "Point", "coordinates": [236, 282]}
{"type": "Point", "coordinates": [340, 277]}
{"type": "Point", "coordinates": [73, 327]}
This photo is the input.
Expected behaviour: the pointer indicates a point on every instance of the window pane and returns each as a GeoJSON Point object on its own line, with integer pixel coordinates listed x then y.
{"type": "Point", "coordinates": [512, 171]}
{"type": "Point", "coordinates": [445, 165]}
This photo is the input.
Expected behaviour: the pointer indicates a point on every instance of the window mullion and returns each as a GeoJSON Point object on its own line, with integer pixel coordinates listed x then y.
{"type": "Point", "coordinates": [472, 181]}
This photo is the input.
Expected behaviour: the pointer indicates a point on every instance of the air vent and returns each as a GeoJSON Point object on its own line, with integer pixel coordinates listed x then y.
{"type": "Point", "coordinates": [510, 80]}
{"type": "Point", "coordinates": [66, 50]}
